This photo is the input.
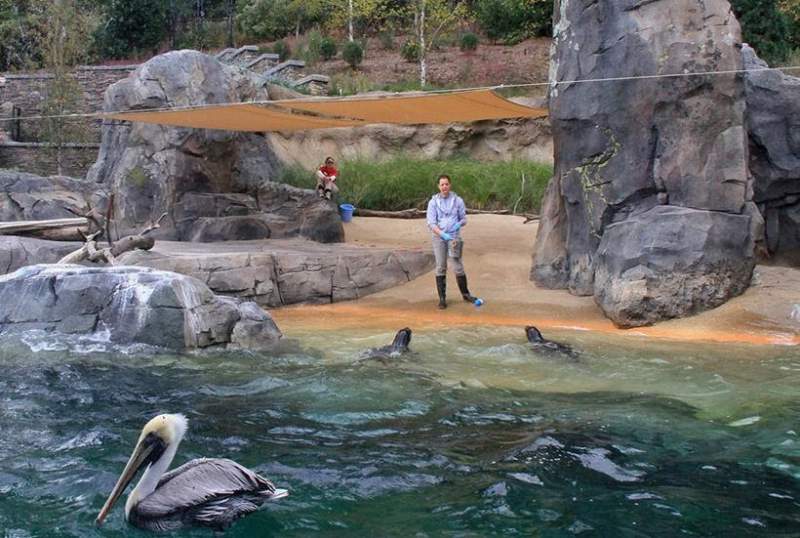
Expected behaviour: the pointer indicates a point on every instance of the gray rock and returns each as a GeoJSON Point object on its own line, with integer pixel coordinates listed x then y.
{"type": "Point", "coordinates": [26, 196]}
{"type": "Point", "coordinates": [624, 148]}
{"type": "Point", "coordinates": [671, 262]}
{"type": "Point", "coordinates": [154, 169]}
{"type": "Point", "coordinates": [490, 140]}
{"type": "Point", "coordinates": [133, 305]}
{"type": "Point", "coordinates": [16, 252]}
{"type": "Point", "coordinates": [773, 126]}
{"type": "Point", "coordinates": [282, 272]}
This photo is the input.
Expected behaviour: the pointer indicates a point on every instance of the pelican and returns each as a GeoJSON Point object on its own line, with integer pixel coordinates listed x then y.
{"type": "Point", "coordinates": [207, 492]}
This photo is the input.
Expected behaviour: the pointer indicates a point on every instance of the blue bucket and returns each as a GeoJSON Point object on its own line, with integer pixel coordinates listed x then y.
{"type": "Point", "coordinates": [347, 212]}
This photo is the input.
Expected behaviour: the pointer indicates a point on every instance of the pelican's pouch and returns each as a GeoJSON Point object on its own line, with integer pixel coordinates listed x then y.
{"type": "Point", "coordinates": [454, 247]}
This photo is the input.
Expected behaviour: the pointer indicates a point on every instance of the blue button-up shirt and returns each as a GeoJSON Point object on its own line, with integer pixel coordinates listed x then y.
{"type": "Point", "coordinates": [446, 213]}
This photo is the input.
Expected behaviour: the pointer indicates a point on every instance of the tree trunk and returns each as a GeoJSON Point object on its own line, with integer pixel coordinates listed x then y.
{"type": "Point", "coordinates": [422, 66]}
{"type": "Point", "coordinates": [231, 4]}
{"type": "Point", "coordinates": [350, 20]}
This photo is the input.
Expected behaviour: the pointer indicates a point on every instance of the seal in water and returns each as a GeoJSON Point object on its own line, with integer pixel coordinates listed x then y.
{"type": "Point", "coordinates": [398, 346]}
{"type": "Point", "coordinates": [540, 344]}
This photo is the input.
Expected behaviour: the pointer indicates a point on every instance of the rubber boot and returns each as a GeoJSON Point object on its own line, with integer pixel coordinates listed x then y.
{"type": "Point", "coordinates": [462, 287]}
{"type": "Point", "coordinates": [441, 287]}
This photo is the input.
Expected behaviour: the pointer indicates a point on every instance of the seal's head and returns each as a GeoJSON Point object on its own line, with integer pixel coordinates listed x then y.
{"type": "Point", "coordinates": [401, 340]}
{"type": "Point", "coordinates": [534, 336]}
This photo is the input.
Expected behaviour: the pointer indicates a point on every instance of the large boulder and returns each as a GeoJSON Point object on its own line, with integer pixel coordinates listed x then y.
{"type": "Point", "coordinates": [152, 168]}
{"type": "Point", "coordinates": [283, 272]}
{"type": "Point", "coordinates": [773, 123]}
{"type": "Point", "coordinates": [26, 196]}
{"type": "Point", "coordinates": [671, 261]}
{"type": "Point", "coordinates": [16, 252]}
{"type": "Point", "coordinates": [129, 305]}
{"type": "Point", "coordinates": [625, 147]}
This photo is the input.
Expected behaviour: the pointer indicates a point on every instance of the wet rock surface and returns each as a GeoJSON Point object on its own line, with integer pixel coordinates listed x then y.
{"type": "Point", "coordinates": [129, 305]}
{"type": "Point", "coordinates": [625, 148]}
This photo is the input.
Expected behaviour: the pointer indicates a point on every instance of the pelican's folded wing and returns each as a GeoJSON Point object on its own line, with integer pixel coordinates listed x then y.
{"type": "Point", "coordinates": [200, 482]}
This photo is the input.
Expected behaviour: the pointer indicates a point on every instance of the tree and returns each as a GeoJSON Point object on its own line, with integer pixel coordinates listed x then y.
{"type": "Point", "coordinates": [354, 13]}
{"type": "Point", "coordinates": [791, 9]}
{"type": "Point", "coordinates": [514, 20]}
{"type": "Point", "coordinates": [134, 27]}
{"type": "Point", "coordinates": [431, 18]}
{"type": "Point", "coordinates": [21, 26]}
{"type": "Point", "coordinates": [64, 48]}
{"type": "Point", "coordinates": [764, 27]}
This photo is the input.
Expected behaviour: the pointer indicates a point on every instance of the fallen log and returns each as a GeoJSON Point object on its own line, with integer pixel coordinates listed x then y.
{"type": "Point", "coordinates": [403, 214]}
{"type": "Point", "coordinates": [34, 227]}
{"type": "Point", "coordinates": [109, 255]}
{"type": "Point", "coordinates": [421, 214]}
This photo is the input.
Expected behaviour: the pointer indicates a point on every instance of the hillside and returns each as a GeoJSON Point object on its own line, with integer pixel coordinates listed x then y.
{"type": "Point", "coordinates": [448, 66]}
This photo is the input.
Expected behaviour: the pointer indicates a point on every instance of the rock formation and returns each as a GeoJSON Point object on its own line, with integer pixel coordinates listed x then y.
{"type": "Point", "coordinates": [150, 169]}
{"type": "Point", "coordinates": [30, 197]}
{"type": "Point", "coordinates": [484, 140]}
{"type": "Point", "coordinates": [16, 252]}
{"type": "Point", "coordinates": [129, 305]}
{"type": "Point", "coordinates": [284, 272]}
{"type": "Point", "coordinates": [650, 209]}
{"type": "Point", "coordinates": [773, 126]}
{"type": "Point", "coordinates": [271, 273]}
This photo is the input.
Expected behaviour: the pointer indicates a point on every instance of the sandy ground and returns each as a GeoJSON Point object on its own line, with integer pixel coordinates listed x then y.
{"type": "Point", "coordinates": [497, 260]}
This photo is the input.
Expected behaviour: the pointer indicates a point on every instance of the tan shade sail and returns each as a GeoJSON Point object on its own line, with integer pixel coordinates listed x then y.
{"type": "Point", "coordinates": [320, 113]}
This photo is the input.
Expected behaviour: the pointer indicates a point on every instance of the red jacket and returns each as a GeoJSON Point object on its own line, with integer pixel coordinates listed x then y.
{"type": "Point", "coordinates": [329, 171]}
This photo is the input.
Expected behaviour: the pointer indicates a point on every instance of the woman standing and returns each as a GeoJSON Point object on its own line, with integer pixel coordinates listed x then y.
{"type": "Point", "coordinates": [446, 216]}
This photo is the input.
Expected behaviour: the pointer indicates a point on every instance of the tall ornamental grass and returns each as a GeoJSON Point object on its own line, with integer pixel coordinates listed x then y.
{"type": "Point", "coordinates": [404, 182]}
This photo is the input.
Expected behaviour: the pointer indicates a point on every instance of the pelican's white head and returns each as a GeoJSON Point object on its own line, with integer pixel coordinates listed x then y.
{"type": "Point", "coordinates": [170, 428]}
{"type": "Point", "coordinates": [154, 451]}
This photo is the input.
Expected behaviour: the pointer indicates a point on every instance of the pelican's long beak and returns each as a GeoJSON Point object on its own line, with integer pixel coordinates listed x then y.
{"type": "Point", "coordinates": [139, 458]}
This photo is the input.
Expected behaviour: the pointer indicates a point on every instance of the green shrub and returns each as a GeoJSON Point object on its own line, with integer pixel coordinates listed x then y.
{"type": "Point", "coordinates": [512, 21]}
{"type": "Point", "coordinates": [386, 39]}
{"type": "Point", "coordinates": [132, 28]}
{"type": "Point", "coordinates": [353, 53]}
{"type": "Point", "coordinates": [349, 83]}
{"type": "Point", "coordinates": [265, 19]}
{"type": "Point", "coordinates": [404, 182]}
{"type": "Point", "coordinates": [765, 28]}
{"type": "Point", "coordinates": [311, 50]}
{"type": "Point", "coordinates": [410, 51]}
{"type": "Point", "coordinates": [469, 42]}
{"type": "Point", "coordinates": [282, 49]}
{"type": "Point", "coordinates": [328, 48]}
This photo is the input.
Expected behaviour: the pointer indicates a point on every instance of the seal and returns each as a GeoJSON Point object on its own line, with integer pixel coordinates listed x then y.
{"type": "Point", "coordinates": [398, 346]}
{"type": "Point", "coordinates": [542, 345]}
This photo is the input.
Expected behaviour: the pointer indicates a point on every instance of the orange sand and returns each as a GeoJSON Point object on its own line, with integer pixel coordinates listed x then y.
{"type": "Point", "coordinates": [497, 259]}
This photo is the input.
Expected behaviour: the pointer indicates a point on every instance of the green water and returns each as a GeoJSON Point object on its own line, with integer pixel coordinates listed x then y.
{"type": "Point", "coordinates": [472, 435]}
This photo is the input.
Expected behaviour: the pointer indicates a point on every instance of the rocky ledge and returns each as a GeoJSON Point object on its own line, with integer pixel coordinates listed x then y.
{"type": "Point", "coordinates": [282, 272]}
{"type": "Point", "coordinates": [129, 305]}
{"type": "Point", "coordinates": [273, 272]}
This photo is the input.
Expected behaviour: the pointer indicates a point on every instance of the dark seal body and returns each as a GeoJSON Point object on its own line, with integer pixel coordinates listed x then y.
{"type": "Point", "coordinates": [547, 347]}
{"type": "Point", "coordinates": [398, 346]}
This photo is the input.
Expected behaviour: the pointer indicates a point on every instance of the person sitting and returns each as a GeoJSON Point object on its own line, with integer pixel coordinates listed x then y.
{"type": "Point", "coordinates": [326, 179]}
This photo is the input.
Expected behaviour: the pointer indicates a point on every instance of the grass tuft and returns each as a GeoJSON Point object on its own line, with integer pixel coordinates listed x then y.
{"type": "Point", "coordinates": [404, 182]}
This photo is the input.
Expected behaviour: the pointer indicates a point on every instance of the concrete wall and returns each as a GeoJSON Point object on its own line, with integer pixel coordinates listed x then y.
{"type": "Point", "coordinates": [41, 159]}
{"type": "Point", "coordinates": [29, 91]}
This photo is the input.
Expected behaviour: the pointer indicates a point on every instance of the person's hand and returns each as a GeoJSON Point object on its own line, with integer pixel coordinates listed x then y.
{"type": "Point", "coordinates": [455, 228]}
{"type": "Point", "coordinates": [446, 236]}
